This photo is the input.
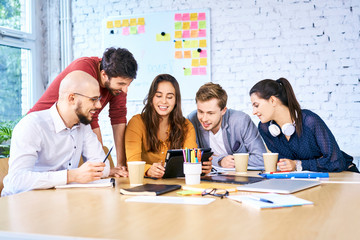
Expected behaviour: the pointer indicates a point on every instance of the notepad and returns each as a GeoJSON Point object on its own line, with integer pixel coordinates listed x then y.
{"type": "Point", "coordinates": [107, 182]}
{"type": "Point", "coordinates": [150, 189]}
{"type": "Point", "coordinates": [278, 200]}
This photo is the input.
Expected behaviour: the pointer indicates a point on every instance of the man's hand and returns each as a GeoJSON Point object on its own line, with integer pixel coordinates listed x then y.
{"type": "Point", "coordinates": [87, 172]}
{"type": "Point", "coordinates": [156, 170]}
{"type": "Point", "coordinates": [227, 162]}
{"type": "Point", "coordinates": [119, 172]}
{"type": "Point", "coordinates": [207, 165]}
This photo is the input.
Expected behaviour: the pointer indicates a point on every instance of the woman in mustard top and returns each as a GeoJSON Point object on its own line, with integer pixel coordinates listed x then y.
{"type": "Point", "coordinates": [160, 126]}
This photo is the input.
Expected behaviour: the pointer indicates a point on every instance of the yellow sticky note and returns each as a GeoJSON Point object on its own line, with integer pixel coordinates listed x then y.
{"type": "Point", "coordinates": [187, 54]}
{"type": "Point", "coordinates": [133, 30]}
{"type": "Point", "coordinates": [203, 61]}
{"type": "Point", "coordinates": [187, 71]}
{"type": "Point", "coordinates": [193, 16]}
{"type": "Point", "coordinates": [125, 23]}
{"type": "Point", "coordinates": [187, 44]}
{"type": "Point", "coordinates": [110, 24]}
{"type": "Point", "coordinates": [178, 44]}
{"type": "Point", "coordinates": [178, 54]}
{"type": "Point", "coordinates": [167, 37]}
{"type": "Point", "coordinates": [133, 22]}
{"type": "Point", "coordinates": [186, 25]}
{"type": "Point", "coordinates": [194, 33]}
{"type": "Point", "coordinates": [141, 21]}
{"type": "Point", "coordinates": [118, 23]}
{"type": "Point", "coordinates": [194, 43]}
{"type": "Point", "coordinates": [195, 63]}
{"type": "Point", "coordinates": [178, 34]}
{"type": "Point", "coordinates": [202, 43]}
{"type": "Point", "coordinates": [195, 54]}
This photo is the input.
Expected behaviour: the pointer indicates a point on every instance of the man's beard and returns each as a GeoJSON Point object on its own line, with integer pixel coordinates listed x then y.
{"type": "Point", "coordinates": [82, 117]}
{"type": "Point", "coordinates": [112, 91]}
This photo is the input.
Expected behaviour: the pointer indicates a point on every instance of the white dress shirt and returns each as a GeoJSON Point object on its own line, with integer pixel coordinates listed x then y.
{"type": "Point", "coordinates": [43, 149]}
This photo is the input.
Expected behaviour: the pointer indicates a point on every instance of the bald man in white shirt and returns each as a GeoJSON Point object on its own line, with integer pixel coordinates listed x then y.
{"type": "Point", "coordinates": [46, 146]}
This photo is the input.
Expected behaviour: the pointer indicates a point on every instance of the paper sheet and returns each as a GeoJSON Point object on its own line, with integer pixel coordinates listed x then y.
{"type": "Point", "coordinates": [171, 200]}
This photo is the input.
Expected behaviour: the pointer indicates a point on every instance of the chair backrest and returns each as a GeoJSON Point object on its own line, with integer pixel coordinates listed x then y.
{"type": "Point", "coordinates": [106, 150]}
{"type": "Point", "coordinates": [4, 168]}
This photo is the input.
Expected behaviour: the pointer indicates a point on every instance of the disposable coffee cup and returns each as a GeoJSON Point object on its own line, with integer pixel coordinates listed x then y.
{"type": "Point", "coordinates": [192, 173]}
{"type": "Point", "coordinates": [241, 162]}
{"type": "Point", "coordinates": [270, 161]}
{"type": "Point", "coordinates": [136, 172]}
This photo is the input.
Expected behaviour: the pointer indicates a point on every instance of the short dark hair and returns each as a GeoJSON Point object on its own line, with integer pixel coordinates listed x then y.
{"type": "Point", "coordinates": [119, 63]}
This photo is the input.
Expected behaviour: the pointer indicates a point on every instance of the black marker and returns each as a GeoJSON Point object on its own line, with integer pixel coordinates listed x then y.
{"type": "Point", "coordinates": [107, 155]}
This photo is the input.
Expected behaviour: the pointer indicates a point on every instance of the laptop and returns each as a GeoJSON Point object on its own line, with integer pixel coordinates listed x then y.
{"type": "Point", "coordinates": [279, 186]}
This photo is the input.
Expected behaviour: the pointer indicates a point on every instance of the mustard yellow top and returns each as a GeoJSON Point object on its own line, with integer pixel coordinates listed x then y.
{"type": "Point", "coordinates": [136, 142]}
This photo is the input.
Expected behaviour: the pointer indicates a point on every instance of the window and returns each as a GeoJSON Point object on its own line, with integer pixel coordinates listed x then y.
{"type": "Point", "coordinates": [18, 58]}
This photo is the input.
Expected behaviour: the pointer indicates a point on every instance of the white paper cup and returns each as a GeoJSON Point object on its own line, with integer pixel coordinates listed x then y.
{"type": "Point", "coordinates": [192, 173]}
{"type": "Point", "coordinates": [136, 172]}
{"type": "Point", "coordinates": [270, 161]}
{"type": "Point", "coordinates": [241, 162]}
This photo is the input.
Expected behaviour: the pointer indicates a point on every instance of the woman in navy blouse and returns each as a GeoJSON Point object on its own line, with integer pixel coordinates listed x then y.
{"type": "Point", "coordinates": [301, 137]}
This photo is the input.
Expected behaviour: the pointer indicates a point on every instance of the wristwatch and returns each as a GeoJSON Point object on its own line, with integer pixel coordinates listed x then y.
{"type": "Point", "coordinates": [298, 165]}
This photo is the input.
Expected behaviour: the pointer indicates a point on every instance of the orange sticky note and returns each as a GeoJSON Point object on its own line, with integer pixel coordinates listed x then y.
{"type": "Point", "coordinates": [178, 34]}
{"type": "Point", "coordinates": [186, 25]}
{"type": "Point", "coordinates": [178, 44]}
{"type": "Point", "coordinates": [133, 22]}
{"type": "Point", "coordinates": [110, 24]}
{"type": "Point", "coordinates": [203, 61]}
{"type": "Point", "coordinates": [178, 54]}
{"type": "Point", "coordinates": [187, 54]}
{"type": "Point", "coordinates": [141, 21]}
{"type": "Point", "coordinates": [194, 33]}
{"type": "Point", "coordinates": [193, 16]}
{"type": "Point", "coordinates": [118, 23]}
{"type": "Point", "coordinates": [202, 43]}
{"type": "Point", "coordinates": [125, 23]}
{"type": "Point", "coordinates": [195, 63]}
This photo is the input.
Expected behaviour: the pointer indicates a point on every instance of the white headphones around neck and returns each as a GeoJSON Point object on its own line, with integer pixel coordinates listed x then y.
{"type": "Point", "coordinates": [287, 129]}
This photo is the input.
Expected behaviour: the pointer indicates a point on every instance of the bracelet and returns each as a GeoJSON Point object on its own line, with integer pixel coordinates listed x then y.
{"type": "Point", "coordinates": [298, 166]}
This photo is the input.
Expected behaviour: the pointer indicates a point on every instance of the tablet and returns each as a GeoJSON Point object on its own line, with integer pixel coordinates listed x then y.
{"type": "Point", "coordinates": [174, 162]}
{"type": "Point", "coordinates": [235, 179]}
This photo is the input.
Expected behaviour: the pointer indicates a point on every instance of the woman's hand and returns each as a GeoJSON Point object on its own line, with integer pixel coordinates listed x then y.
{"type": "Point", "coordinates": [285, 164]}
{"type": "Point", "coordinates": [156, 170]}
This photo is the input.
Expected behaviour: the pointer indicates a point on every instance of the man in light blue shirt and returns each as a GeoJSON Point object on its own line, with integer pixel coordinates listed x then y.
{"type": "Point", "coordinates": [46, 146]}
{"type": "Point", "coordinates": [225, 131]}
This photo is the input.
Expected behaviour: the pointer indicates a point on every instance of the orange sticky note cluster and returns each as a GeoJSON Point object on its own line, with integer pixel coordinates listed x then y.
{"type": "Point", "coordinates": [129, 26]}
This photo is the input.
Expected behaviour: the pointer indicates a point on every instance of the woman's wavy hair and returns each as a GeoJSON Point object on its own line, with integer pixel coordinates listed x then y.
{"type": "Point", "coordinates": [151, 118]}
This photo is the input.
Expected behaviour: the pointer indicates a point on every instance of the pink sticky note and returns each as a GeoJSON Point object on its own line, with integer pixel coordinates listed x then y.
{"type": "Point", "coordinates": [195, 71]}
{"type": "Point", "coordinates": [202, 71]}
{"type": "Point", "coordinates": [194, 25]}
{"type": "Point", "coordinates": [202, 32]}
{"type": "Point", "coordinates": [203, 53]}
{"type": "Point", "coordinates": [186, 34]}
{"type": "Point", "coordinates": [141, 29]}
{"type": "Point", "coordinates": [201, 16]}
{"type": "Point", "coordinates": [125, 31]}
{"type": "Point", "coordinates": [186, 17]}
{"type": "Point", "coordinates": [178, 17]}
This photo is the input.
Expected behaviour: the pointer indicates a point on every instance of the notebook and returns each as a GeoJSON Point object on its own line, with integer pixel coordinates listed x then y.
{"type": "Point", "coordinates": [150, 189]}
{"type": "Point", "coordinates": [107, 182]}
{"type": "Point", "coordinates": [279, 186]}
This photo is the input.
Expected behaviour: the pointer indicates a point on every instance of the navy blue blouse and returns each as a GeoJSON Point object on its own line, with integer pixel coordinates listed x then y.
{"type": "Point", "coordinates": [316, 147]}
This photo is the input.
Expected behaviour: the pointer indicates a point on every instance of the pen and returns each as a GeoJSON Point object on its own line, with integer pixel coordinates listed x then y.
{"type": "Point", "coordinates": [260, 199]}
{"type": "Point", "coordinates": [107, 155]}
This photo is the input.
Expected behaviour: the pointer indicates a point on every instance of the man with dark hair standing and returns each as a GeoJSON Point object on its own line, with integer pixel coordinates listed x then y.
{"type": "Point", "coordinates": [114, 73]}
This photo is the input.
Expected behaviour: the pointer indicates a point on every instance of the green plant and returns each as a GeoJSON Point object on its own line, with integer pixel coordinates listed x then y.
{"type": "Point", "coordinates": [6, 129]}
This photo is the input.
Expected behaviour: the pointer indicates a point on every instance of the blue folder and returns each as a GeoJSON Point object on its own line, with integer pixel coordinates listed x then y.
{"type": "Point", "coordinates": [296, 175]}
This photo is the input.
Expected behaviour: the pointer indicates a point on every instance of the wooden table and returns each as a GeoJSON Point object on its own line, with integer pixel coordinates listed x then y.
{"type": "Point", "coordinates": [103, 213]}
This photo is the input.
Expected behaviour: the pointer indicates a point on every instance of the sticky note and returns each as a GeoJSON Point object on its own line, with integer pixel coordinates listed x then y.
{"type": "Point", "coordinates": [194, 43]}
{"type": "Point", "coordinates": [201, 16]}
{"type": "Point", "coordinates": [178, 25]}
{"type": "Point", "coordinates": [141, 29]}
{"type": "Point", "coordinates": [202, 24]}
{"type": "Point", "coordinates": [193, 25]}
{"type": "Point", "coordinates": [160, 37]}
{"type": "Point", "coordinates": [202, 71]}
{"type": "Point", "coordinates": [203, 61]}
{"type": "Point", "coordinates": [178, 34]}
{"type": "Point", "coordinates": [187, 54]}
{"type": "Point", "coordinates": [133, 22]}
{"type": "Point", "coordinates": [193, 16]}
{"type": "Point", "coordinates": [167, 37]}
{"type": "Point", "coordinates": [125, 31]}
{"type": "Point", "coordinates": [194, 33]}
{"type": "Point", "coordinates": [178, 44]}
{"type": "Point", "coordinates": [141, 21]}
{"type": "Point", "coordinates": [187, 71]}
{"type": "Point", "coordinates": [125, 23]}
{"type": "Point", "coordinates": [186, 25]}
{"type": "Point", "coordinates": [178, 17]}
{"type": "Point", "coordinates": [133, 30]}
{"type": "Point", "coordinates": [186, 34]}
{"type": "Point", "coordinates": [109, 24]}
{"type": "Point", "coordinates": [202, 43]}
{"type": "Point", "coordinates": [202, 33]}
{"type": "Point", "coordinates": [187, 44]}
{"type": "Point", "coordinates": [203, 53]}
{"type": "Point", "coordinates": [195, 71]}
{"type": "Point", "coordinates": [178, 54]}
{"type": "Point", "coordinates": [195, 54]}
{"type": "Point", "coordinates": [195, 62]}
{"type": "Point", "coordinates": [118, 23]}
{"type": "Point", "coordinates": [186, 17]}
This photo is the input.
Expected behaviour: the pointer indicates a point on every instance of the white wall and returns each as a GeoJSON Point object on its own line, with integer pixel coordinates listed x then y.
{"type": "Point", "coordinates": [314, 44]}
